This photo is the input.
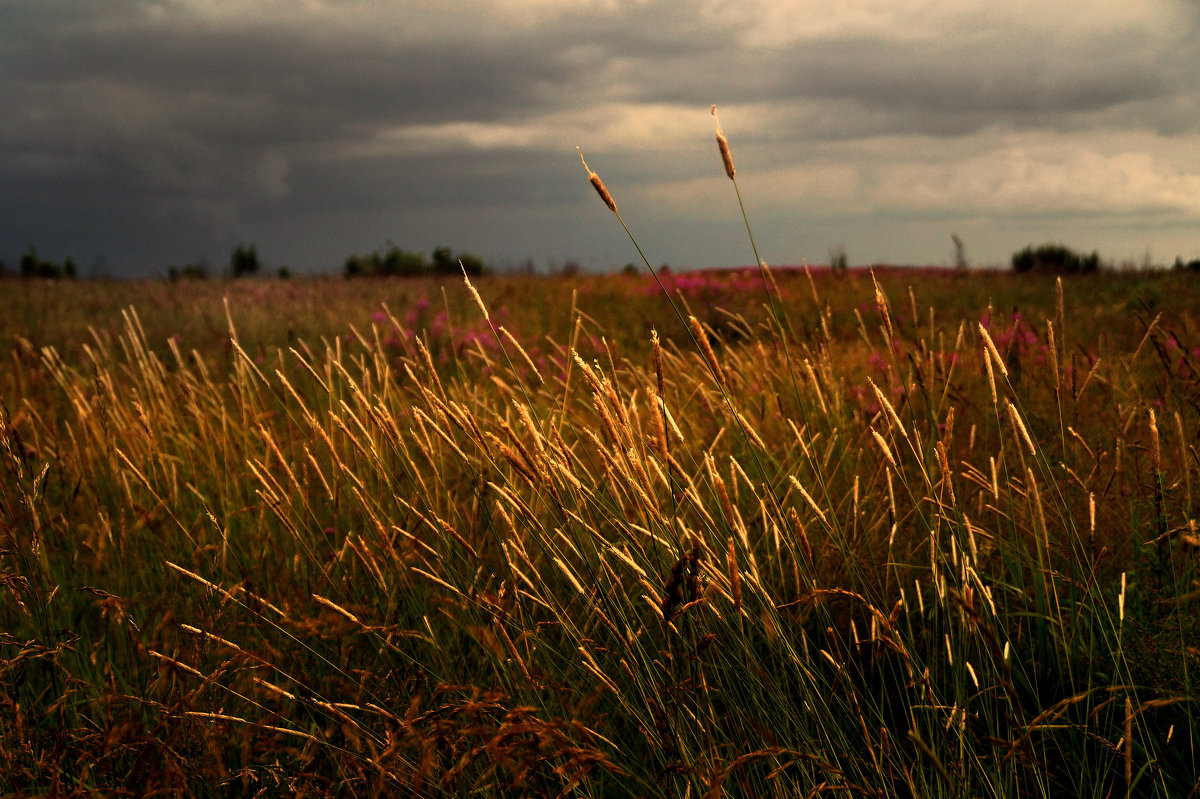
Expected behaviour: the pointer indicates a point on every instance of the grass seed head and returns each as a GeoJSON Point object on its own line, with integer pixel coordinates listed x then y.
{"type": "Point", "coordinates": [474, 294]}
{"type": "Point", "coordinates": [991, 348]}
{"type": "Point", "coordinates": [1155, 444]}
{"type": "Point", "coordinates": [599, 185]}
{"type": "Point", "coordinates": [723, 146]}
{"type": "Point", "coordinates": [735, 577]}
{"type": "Point", "coordinates": [710, 357]}
{"type": "Point", "coordinates": [656, 347]}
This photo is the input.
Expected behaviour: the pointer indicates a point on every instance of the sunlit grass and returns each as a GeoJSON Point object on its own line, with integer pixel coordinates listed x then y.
{"type": "Point", "coordinates": [343, 537]}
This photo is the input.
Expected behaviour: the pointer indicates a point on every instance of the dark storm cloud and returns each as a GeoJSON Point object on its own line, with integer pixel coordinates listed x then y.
{"type": "Point", "coordinates": [130, 125]}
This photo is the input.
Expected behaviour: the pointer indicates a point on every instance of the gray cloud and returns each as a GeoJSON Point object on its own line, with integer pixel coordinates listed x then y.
{"type": "Point", "coordinates": [154, 131]}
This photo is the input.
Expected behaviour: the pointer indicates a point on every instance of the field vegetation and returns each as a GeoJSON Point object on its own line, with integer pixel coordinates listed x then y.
{"type": "Point", "coordinates": [755, 533]}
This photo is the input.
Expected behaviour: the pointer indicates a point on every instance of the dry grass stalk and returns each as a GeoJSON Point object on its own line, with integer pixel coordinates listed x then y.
{"type": "Point", "coordinates": [610, 425]}
{"type": "Point", "coordinates": [808, 497]}
{"type": "Point", "coordinates": [1050, 345]}
{"type": "Point", "coordinates": [947, 475]}
{"type": "Point", "coordinates": [887, 405]}
{"type": "Point", "coordinates": [337, 609]}
{"type": "Point", "coordinates": [211, 637]}
{"type": "Point", "coordinates": [719, 484]}
{"type": "Point", "coordinates": [656, 350]}
{"type": "Point", "coordinates": [1019, 423]}
{"type": "Point", "coordinates": [710, 357]}
{"type": "Point", "coordinates": [590, 664]}
{"type": "Point", "coordinates": [750, 432]}
{"type": "Point", "coordinates": [992, 351]}
{"type": "Point", "coordinates": [987, 362]}
{"type": "Point", "coordinates": [659, 427]}
{"type": "Point", "coordinates": [628, 560]}
{"type": "Point", "coordinates": [598, 184]}
{"type": "Point", "coordinates": [177, 664]}
{"type": "Point", "coordinates": [735, 580]}
{"type": "Point", "coordinates": [435, 579]}
{"type": "Point", "coordinates": [589, 374]}
{"type": "Point", "coordinates": [883, 309]}
{"type": "Point", "coordinates": [511, 339]}
{"type": "Point", "coordinates": [642, 480]}
{"type": "Point", "coordinates": [526, 455]}
{"type": "Point", "coordinates": [883, 445]}
{"type": "Point", "coordinates": [275, 689]}
{"type": "Point", "coordinates": [429, 367]}
{"type": "Point", "coordinates": [671, 423]}
{"type": "Point", "coordinates": [815, 382]}
{"type": "Point", "coordinates": [566, 570]}
{"type": "Point", "coordinates": [1155, 444]}
{"type": "Point", "coordinates": [723, 146]}
{"type": "Point", "coordinates": [1128, 749]}
{"type": "Point", "coordinates": [474, 294]}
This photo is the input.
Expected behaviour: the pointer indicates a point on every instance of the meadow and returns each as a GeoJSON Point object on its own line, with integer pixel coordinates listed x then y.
{"type": "Point", "coordinates": [894, 534]}
{"type": "Point", "coordinates": [752, 533]}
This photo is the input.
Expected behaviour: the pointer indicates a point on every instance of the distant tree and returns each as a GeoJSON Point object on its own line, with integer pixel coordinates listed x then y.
{"type": "Point", "coordinates": [358, 266]}
{"type": "Point", "coordinates": [630, 270]}
{"type": "Point", "coordinates": [403, 263]}
{"type": "Point", "coordinates": [1054, 259]}
{"type": "Point", "coordinates": [30, 262]}
{"type": "Point", "coordinates": [392, 262]}
{"type": "Point", "coordinates": [244, 261]}
{"type": "Point", "coordinates": [472, 264]}
{"type": "Point", "coordinates": [32, 265]}
{"type": "Point", "coordinates": [838, 260]}
{"type": "Point", "coordinates": [570, 268]}
{"type": "Point", "coordinates": [960, 252]}
{"type": "Point", "coordinates": [193, 271]}
{"type": "Point", "coordinates": [283, 273]}
{"type": "Point", "coordinates": [443, 261]}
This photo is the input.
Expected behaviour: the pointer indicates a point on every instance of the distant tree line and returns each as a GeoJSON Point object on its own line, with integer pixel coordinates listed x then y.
{"type": "Point", "coordinates": [1054, 259]}
{"type": "Point", "coordinates": [394, 261]}
{"type": "Point", "coordinates": [33, 265]}
{"type": "Point", "coordinates": [243, 262]}
{"type": "Point", "coordinates": [1059, 259]}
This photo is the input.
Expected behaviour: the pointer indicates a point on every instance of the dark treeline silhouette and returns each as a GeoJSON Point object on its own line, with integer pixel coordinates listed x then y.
{"type": "Point", "coordinates": [1054, 259]}
{"type": "Point", "coordinates": [394, 261]}
{"type": "Point", "coordinates": [33, 265]}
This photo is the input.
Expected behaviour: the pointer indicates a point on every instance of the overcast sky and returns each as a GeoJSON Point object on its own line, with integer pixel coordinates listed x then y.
{"type": "Point", "coordinates": [155, 132]}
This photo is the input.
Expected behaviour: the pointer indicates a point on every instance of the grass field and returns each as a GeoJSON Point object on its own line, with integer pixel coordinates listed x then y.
{"type": "Point", "coordinates": [916, 534]}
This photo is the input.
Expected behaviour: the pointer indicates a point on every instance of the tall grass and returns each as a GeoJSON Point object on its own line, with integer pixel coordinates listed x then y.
{"type": "Point", "coordinates": [884, 550]}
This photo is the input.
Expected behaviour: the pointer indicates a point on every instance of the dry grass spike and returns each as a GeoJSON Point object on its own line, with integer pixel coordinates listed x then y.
{"type": "Point", "coordinates": [723, 146]}
{"type": "Point", "coordinates": [599, 185]}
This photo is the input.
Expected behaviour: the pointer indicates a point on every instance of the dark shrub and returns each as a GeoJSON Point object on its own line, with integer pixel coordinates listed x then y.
{"type": "Point", "coordinates": [33, 265]}
{"type": "Point", "coordinates": [1054, 259]}
{"type": "Point", "coordinates": [244, 261]}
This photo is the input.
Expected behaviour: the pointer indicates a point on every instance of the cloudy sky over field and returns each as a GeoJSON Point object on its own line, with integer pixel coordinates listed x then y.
{"type": "Point", "coordinates": [140, 133]}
